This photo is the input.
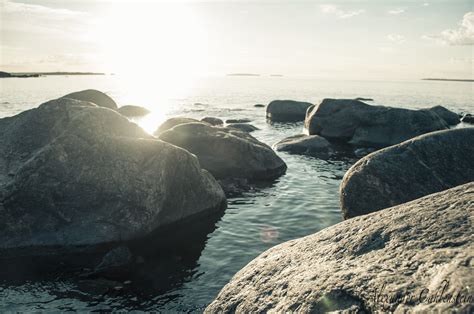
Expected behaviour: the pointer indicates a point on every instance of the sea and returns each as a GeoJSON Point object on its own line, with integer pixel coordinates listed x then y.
{"type": "Point", "coordinates": [303, 201]}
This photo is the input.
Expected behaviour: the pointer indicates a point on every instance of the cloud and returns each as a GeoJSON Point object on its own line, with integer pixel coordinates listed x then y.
{"type": "Point", "coordinates": [396, 38]}
{"type": "Point", "coordinates": [463, 35]}
{"type": "Point", "coordinates": [340, 14]}
{"type": "Point", "coordinates": [396, 11]}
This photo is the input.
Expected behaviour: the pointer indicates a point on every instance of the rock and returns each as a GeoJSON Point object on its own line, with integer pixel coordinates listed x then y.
{"type": "Point", "coordinates": [423, 165]}
{"type": "Point", "coordinates": [361, 152]}
{"type": "Point", "coordinates": [133, 111]}
{"type": "Point", "coordinates": [238, 121]}
{"type": "Point", "coordinates": [305, 144]}
{"type": "Point", "coordinates": [259, 106]}
{"type": "Point", "coordinates": [287, 110]}
{"type": "Point", "coordinates": [362, 125]}
{"type": "Point", "coordinates": [212, 121]}
{"type": "Point", "coordinates": [363, 99]}
{"type": "Point", "coordinates": [93, 96]}
{"type": "Point", "coordinates": [115, 259]}
{"type": "Point", "coordinates": [73, 174]}
{"type": "Point", "coordinates": [244, 127]}
{"type": "Point", "coordinates": [172, 122]}
{"type": "Point", "coordinates": [361, 265]}
{"type": "Point", "coordinates": [451, 118]}
{"type": "Point", "coordinates": [227, 153]}
{"type": "Point", "coordinates": [468, 118]}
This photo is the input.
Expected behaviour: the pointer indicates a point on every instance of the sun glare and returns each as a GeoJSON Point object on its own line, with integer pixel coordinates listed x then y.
{"type": "Point", "coordinates": [155, 50]}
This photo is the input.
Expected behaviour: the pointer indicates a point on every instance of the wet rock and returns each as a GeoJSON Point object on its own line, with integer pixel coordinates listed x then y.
{"type": "Point", "coordinates": [259, 106]}
{"type": "Point", "coordinates": [172, 122]}
{"type": "Point", "coordinates": [227, 153]}
{"type": "Point", "coordinates": [212, 121]}
{"type": "Point", "coordinates": [361, 152]}
{"type": "Point", "coordinates": [94, 96]}
{"type": "Point", "coordinates": [238, 120]}
{"type": "Point", "coordinates": [305, 144]}
{"type": "Point", "coordinates": [133, 111]}
{"type": "Point", "coordinates": [468, 118]}
{"type": "Point", "coordinates": [418, 249]}
{"type": "Point", "coordinates": [75, 175]}
{"type": "Point", "coordinates": [363, 99]}
{"type": "Point", "coordinates": [451, 118]}
{"type": "Point", "coordinates": [287, 110]}
{"type": "Point", "coordinates": [362, 125]}
{"type": "Point", "coordinates": [244, 127]}
{"type": "Point", "coordinates": [423, 165]}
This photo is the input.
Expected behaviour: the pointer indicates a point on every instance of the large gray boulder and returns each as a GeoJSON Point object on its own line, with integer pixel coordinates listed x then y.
{"type": "Point", "coordinates": [133, 111]}
{"type": "Point", "coordinates": [287, 110]}
{"type": "Point", "coordinates": [94, 96]}
{"type": "Point", "coordinates": [426, 164]}
{"type": "Point", "coordinates": [305, 145]}
{"type": "Point", "coordinates": [73, 174]}
{"type": "Point", "coordinates": [227, 153]}
{"type": "Point", "coordinates": [362, 125]}
{"type": "Point", "coordinates": [421, 251]}
{"type": "Point", "coordinates": [172, 122]}
{"type": "Point", "coordinates": [451, 118]}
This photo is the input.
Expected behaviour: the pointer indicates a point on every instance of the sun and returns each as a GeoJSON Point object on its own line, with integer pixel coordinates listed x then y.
{"type": "Point", "coordinates": [156, 50]}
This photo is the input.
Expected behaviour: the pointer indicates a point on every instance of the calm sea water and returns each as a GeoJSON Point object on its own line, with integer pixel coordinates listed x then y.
{"type": "Point", "coordinates": [303, 201]}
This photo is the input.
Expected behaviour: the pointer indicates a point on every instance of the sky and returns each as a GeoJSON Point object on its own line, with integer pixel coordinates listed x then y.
{"type": "Point", "coordinates": [325, 39]}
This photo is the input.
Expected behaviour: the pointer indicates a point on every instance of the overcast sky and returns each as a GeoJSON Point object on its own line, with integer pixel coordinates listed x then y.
{"type": "Point", "coordinates": [327, 39]}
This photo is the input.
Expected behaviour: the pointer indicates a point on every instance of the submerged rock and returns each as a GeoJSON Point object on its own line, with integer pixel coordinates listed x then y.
{"type": "Point", "coordinates": [287, 110]}
{"type": "Point", "coordinates": [451, 118]}
{"type": "Point", "coordinates": [413, 251]}
{"type": "Point", "coordinates": [227, 153]}
{"type": "Point", "coordinates": [212, 121]}
{"type": "Point", "coordinates": [73, 174]}
{"type": "Point", "coordinates": [244, 127]}
{"type": "Point", "coordinates": [172, 122]}
{"type": "Point", "coordinates": [238, 120]}
{"type": "Point", "coordinates": [423, 165]}
{"type": "Point", "coordinates": [116, 258]}
{"type": "Point", "coordinates": [468, 118]}
{"type": "Point", "coordinates": [362, 125]}
{"type": "Point", "coordinates": [306, 145]}
{"type": "Point", "coordinates": [133, 111]}
{"type": "Point", "coordinates": [259, 106]}
{"type": "Point", "coordinates": [93, 96]}
{"type": "Point", "coordinates": [363, 99]}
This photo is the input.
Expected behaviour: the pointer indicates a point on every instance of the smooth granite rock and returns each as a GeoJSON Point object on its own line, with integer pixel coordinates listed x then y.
{"type": "Point", "coordinates": [73, 174]}
{"type": "Point", "coordinates": [287, 110]}
{"type": "Point", "coordinates": [451, 118]}
{"type": "Point", "coordinates": [133, 111]}
{"type": "Point", "coordinates": [468, 118]}
{"type": "Point", "coordinates": [227, 153]}
{"type": "Point", "coordinates": [305, 144]}
{"type": "Point", "coordinates": [94, 96]}
{"type": "Point", "coordinates": [423, 165]}
{"type": "Point", "coordinates": [421, 251]}
{"type": "Point", "coordinates": [362, 125]}
{"type": "Point", "coordinates": [172, 122]}
{"type": "Point", "coordinates": [212, 120]}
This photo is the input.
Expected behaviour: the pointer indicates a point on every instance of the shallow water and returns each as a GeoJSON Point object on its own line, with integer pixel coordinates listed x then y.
{"type": "Point", "coordinates": [303, 201]}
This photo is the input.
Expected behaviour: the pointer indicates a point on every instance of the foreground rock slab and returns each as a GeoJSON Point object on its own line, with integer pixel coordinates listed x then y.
{"type": "Point", "coordinates": [426, 164]}
{"type": "Point", "coordinates": [362, 125]}
{"type": "Point", "coordinates": [396, 260]}
{"type": "Point", "coordinates": [73, 174]}
{"type": "Point", "coordinates": [227, 153]}
{"type": "Point", "coordinates": [94, 96]}
{"type": "Point", "coordinates": [287, 110]}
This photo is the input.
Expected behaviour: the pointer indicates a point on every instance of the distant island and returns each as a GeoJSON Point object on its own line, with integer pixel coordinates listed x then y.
{"type": "Point", "coordinates": [38, 74]}
{"type": "Point", "coordinates": [243, 74]}
{"type": "Point", "coordinates": [445, 79]}
{"type": "Point", "coordinates": [276, 75]}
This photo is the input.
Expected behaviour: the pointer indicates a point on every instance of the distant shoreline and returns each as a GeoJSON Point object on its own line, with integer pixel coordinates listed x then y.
{"type": "Point", "coordinates": [445, 79]}
{"type": "Point", "coordinates": [38, 74]}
